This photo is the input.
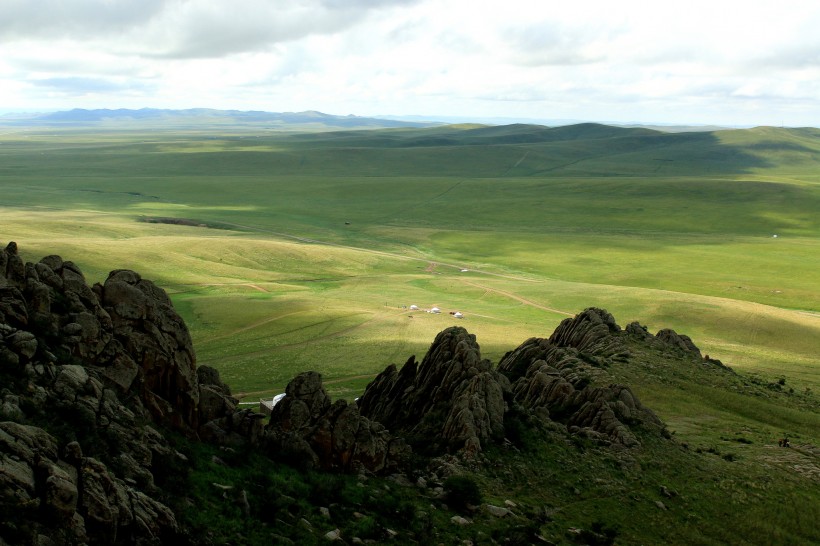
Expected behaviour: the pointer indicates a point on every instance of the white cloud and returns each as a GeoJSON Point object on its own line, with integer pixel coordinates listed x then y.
{"type": "Point", "coordinates": [628, 60]}
{"type": "Point", "coordinates": [49, 19]}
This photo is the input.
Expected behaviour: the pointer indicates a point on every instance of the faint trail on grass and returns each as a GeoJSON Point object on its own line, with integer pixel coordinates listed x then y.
{"type": "Point", "coordinates": [250, 327]}
{"type": "Point", "coordinates": [518, 298]}
{"type": "Point", "coordinates": [311, 341]}
{"type": "Point", "coordinates": [249, 285]}
{"type": "Point", "coordinates": [376, 252]}
{"type": "Point", "coordinates": [489, 317]}
{"type": "Point", "coordinates": [517, 163]}
{"type": "Point", "coordinates": [377, 318]}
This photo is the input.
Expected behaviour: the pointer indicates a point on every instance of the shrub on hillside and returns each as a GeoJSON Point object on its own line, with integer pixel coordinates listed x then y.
{"type": "Point", "coordinates": [461, 491]}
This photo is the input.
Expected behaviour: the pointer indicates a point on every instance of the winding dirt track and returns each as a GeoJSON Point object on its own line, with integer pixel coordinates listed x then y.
{"type": "Point", "coordinates": [518, 298]}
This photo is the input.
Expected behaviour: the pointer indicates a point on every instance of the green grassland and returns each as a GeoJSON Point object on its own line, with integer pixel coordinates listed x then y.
{"type": "Point", "coordinates": [305, 251]}
{"type": "Point", "coordinates": [306, 246]}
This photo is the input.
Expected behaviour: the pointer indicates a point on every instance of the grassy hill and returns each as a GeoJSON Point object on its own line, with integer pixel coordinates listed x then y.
{"type": "Point", "coordinates": [288, 251]}
{"type": "Point", "coordinates": [348, 227]}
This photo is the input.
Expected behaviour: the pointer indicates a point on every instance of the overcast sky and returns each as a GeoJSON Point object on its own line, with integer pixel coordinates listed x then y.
{"type": "Point", "coordinates": [694, 62]}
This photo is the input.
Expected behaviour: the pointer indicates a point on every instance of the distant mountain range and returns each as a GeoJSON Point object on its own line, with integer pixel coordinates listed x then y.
{"type": "Point", "coordinates": [307, 119]}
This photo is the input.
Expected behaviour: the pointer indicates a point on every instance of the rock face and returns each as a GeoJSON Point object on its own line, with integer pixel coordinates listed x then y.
{"type": "Point", "coordinates": [307, 429]}
{"type": "Point", "coordinates": [154, 336]}
{"type": "Point", "coordinates": [678, 341]}
{"type": "Point", "coordinates": [453, 401]}
{"type": "Point", "coordinates": [593, 332]}
{"type": "Point", "coordinates": [125, 330]}
{"type": "Point", "coordinates": [103, 365]}
{"type": "Point", "coordinates": [221, 422]}
{"type": "Point", "coordinates": [551, 378]}
{"type": "Point", "coordinates": [456, 402]}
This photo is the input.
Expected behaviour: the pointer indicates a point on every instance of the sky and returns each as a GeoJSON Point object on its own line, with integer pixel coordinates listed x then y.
{"type": "Point", "coordinates": [717, 62]}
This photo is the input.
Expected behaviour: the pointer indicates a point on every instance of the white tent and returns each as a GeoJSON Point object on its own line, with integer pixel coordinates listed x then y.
{"type": "Point", "coordinates": [266, 404]}
{"type": "Point", "coordinates": [414, 307]}
{"type": "Point", "coordinates": [435, 310]}
{"type": "Point", "coordinates": [458, 314]}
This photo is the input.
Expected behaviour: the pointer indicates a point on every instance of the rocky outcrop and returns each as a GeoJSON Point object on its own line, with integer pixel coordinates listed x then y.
{"type": "Point", "coordinates": [592, 332]}
{"type": "Point", "coordinates": [222, 422]}
{"type": "Point", "coordinates": [91, 370]}
{"type": "Point", "coordinates": [456, 402]}
{"type": "Point", "coordinates": [606, 414]}
{"type": "Point", "coordinates": [305, 428]}
{"type": "Point", "coordinates": [678, 341]}
{"type": "Point", "coordinates": [453, 401]}
{"type": "Point", "coordinates": [156, 338]}
{"type": "Point", "coordinates": [555, 377]}
{"type": "Point", "coordinates": [58, 493]}
{"type": "Point", "coordinates": [124, 332]}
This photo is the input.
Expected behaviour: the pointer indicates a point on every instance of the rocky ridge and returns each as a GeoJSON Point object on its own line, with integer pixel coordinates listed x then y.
{"type": "Point", "coordinates": [457, 402]}
{"type": "Point", "coordinates": [93, 376]}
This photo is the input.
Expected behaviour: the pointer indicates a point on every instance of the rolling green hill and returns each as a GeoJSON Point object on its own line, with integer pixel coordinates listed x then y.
{"type": "Point", "coordinates": [286, 251]}
{"type": "Point", "coordinates": [352, 225]}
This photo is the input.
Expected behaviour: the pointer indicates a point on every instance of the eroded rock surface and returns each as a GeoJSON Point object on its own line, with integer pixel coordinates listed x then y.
{"type": "Point", "coordinates": [102, 364]}
{"type": "Point", "coordinates": [306, 428]}
{"type": "Point", "coordinates": [456, 402]}
{"type": "Point", "coordinates": [453, 401]}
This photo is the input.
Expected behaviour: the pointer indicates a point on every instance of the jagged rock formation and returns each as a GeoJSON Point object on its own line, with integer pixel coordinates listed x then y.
{"type": "Point", "coordinates": [221, 422]}
{"type": "Point", "coordinates": [90, 375]}
{"type": "Point", "coordinates": [666, 337]}
{"type": "Point", "coordinates": [456, 402]}
{"type": "Point", "coordinates": [550, 378]}
{"type": "Point", "coordinates": [126, 329]}
{"type": "Point", "coordinates": [80, 498]}
{"type": "Point", "coordinates": [307, 429]}
{"type": "Point", "coordinates": [592, 332]}
{"type": "Point", "coordinates": [453, 401]}
{"type": "Point", "coordinates": [155, 337]}
{"type": "Point", "coordinates": [101, 366]}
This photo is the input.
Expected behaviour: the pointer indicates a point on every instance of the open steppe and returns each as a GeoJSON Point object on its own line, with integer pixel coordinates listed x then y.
{"type": "Point", "coordinates": [307, 249]}
{"type": "Point", "coordinates": [288, 251]}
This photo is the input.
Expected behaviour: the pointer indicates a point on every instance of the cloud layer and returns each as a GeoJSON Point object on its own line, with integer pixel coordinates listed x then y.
{"type": "Point", "coordinates": [695, 62]}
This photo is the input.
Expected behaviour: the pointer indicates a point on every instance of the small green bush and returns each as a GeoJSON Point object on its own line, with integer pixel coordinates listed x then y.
{"type": "Point", "coordinates": [461, 491]}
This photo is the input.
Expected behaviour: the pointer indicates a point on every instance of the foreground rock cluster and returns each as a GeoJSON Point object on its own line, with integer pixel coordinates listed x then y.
{"type": "Point", "coordinates": [95, 377]}
{"type": "Point", "coordinates": [103, 369]}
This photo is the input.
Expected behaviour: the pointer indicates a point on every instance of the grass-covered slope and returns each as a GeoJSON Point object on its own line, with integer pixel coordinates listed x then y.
{"type": "Point", "coordinates": [732, 485]}
{"type": "Point", "coordinates": [674, 229]}
{"type": "Point", "coordinates": [305, 251]}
